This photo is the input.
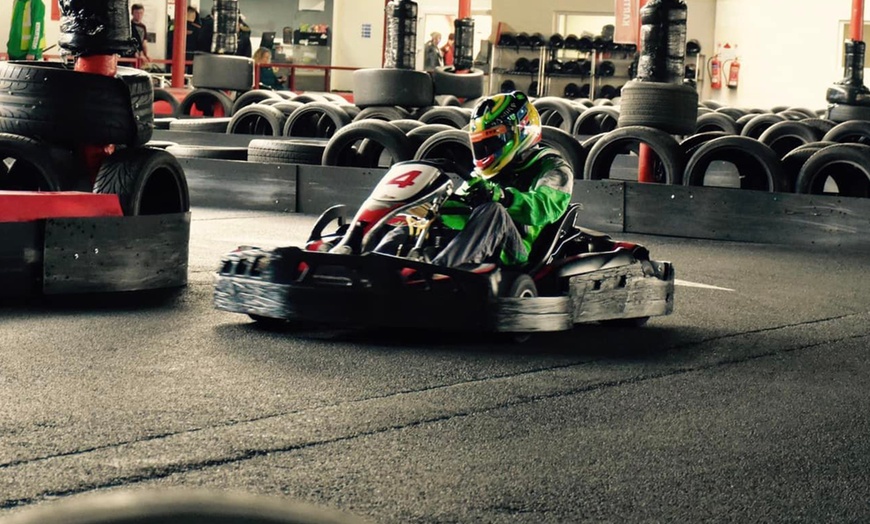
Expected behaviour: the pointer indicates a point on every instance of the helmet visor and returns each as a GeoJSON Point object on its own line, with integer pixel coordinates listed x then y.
{"type": "Point", "coordinates": [489, 142]}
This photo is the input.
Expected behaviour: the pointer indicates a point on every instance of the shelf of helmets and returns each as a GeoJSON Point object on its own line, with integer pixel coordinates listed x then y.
{"type": "Point", "coordinates": [563, 69]}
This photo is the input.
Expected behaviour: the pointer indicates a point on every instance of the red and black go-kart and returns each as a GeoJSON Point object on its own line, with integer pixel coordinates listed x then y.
{"type": "Point", "coordinates": [574, 275]}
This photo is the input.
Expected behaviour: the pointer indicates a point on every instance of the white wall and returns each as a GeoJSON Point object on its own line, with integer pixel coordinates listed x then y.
{"type": "Point", "coordinates": [790, 50]}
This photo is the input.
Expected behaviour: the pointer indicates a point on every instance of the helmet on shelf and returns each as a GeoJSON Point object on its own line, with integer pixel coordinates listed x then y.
{"type": "Point", "coordinates": [502, 126]}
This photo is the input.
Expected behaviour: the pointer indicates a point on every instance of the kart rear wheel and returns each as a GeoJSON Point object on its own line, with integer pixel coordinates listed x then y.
{"type": "Point", "coordinates": [626, 322]}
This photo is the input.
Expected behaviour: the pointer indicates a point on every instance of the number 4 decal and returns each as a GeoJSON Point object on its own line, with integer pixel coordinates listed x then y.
{"type": "Point", "coordinates": [405, 179]}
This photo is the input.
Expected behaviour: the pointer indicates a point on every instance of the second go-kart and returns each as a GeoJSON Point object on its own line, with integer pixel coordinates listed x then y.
{"type": "Point", "coordinates": [573, 275]}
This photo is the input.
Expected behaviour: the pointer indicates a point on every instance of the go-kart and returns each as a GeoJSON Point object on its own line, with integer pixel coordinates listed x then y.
{"type": "Point", "coordinates": [573, 275]}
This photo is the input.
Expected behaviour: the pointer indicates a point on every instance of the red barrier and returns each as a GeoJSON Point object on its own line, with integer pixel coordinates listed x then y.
{"type": "Point", "coordinates": [25, 206]}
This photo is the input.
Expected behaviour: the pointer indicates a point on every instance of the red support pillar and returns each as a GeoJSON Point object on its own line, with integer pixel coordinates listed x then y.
{"type": "Point", "coordinates": [106, 65]}
{"type": "Point", "coordinates": [857, 25]}
{"type": "Point", "coordinates": [464, 9]}
{"type": "Point", "coordinates": [179, 43]}
{"type": "Point", "coordinates": [645, 156]}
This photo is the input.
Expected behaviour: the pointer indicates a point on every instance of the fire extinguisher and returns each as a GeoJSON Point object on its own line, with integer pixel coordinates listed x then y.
{"type": "Point", "coordinates": [734, 73]}
{"type": "Point", "coordinates": [715, 73]}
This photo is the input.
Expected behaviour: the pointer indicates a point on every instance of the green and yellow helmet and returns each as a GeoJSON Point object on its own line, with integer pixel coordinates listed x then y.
{"type": "Point", "coordinates": [502, 126]}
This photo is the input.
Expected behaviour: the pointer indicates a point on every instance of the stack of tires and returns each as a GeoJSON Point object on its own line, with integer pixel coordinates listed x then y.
{"type": "Point", "coordinates": [51, 114]}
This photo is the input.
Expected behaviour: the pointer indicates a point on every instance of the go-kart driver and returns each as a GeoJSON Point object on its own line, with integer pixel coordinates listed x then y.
{"type": "Point", "coordinates": [517, 188]}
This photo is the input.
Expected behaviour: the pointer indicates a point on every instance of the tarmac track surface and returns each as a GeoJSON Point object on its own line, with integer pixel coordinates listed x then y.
{"type": "Point", "coordinates": [749, 403]}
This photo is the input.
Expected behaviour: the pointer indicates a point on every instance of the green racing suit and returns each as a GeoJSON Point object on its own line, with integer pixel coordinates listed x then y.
{"type": "Point", "coordinates": [27, 33]}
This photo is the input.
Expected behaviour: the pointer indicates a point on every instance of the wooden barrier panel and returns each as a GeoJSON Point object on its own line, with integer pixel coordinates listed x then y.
{"type": "Point", "coordinates": [321, 187]}
{"type": "Point", "coordinates": [236, 184]}
{"type": "Point", "coordinates": [602, 204]}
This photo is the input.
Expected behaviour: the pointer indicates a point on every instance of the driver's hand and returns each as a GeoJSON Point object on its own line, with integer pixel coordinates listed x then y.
{"type": "Point", "coordinates": [481, 191]}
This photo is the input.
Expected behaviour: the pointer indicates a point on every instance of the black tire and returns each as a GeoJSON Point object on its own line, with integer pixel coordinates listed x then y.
{"type": "Point", "coordinates": [392, 87]}
{"type": "Point", "coordinates": [691, 144]}
{"type": "Point", "coordinates": [518, 286]}
{"type": "Point", "coordinates": [712, 104]}
{"type": "Point", "coordinates": [206, 102]}
{"type": "Point", "coordinates": [794, 161]}
{"type": "Point", "coordinates": [447, 100]}
{"type": "Point", "coordinates": [446, 81]}
{"type": "Point", "coordinates": [716, 122]}
{"type": "Point", "coordinates": [309, 97]}
{"type": "Point", "coordinates": [848, 165]}
{"type": "Point", "coordinates": [386, 113]}
{"type": "Point", "coordinates": [48, 101]}
{"type": "Point", "coordinates": [288, 107]}
{"type": "Point", "coordinates": [568, 146]}
{"type": "Point", "coordinates": [783, 137]}
{"type": "Point", "coordinates": [257, 119]}
{"type": "Point", "coordinates": [758, 124]}
{"type": "Point", "coordinates": [419, 135]}
{"type": "Point", "coordinates": [291, 151]}
{"type": "Point", "coordinates": [33, 169]}
{"type": "Point", "coordinates": [564, 113]}
{"type": "Point", "coordinates": [807, 113]}
{"type": "Point", "coordinates": [758, 165]}
{"type": "Point", "coordinates": [663, 145]}
{"type": "Point", "coordinates": [147, 181]}
{"type": "Point", "coordinates": [254, 96]}
{"type": "Point", "coordinates": [215, 152]}
{"type": "Point", "coordinates": [851, 132]}
{"type": "Point", "coordinates": [670, 107]}
{"type": "Point", "coordinates": [843, 113]}
{"type": "Point", "coordinates": [162, 95]}
{"type": "Point", "coordinates": [160, 144]}
{"type": "Point", "coordinates": [595, 120]}
{"type": "Point", "coordinates": [340, 152]}
{"type": "Point", "coordinates": [452, 145]}
{"type": "Point", "coordinates": [372, 154]}
{"type": "Point", "coordinates": [733, 112]}
{"type": "Point", "coordinates": [822, 125]}
{"type": "Point", "coordinates": [202, 125]}
{"type": "Point", "coordinates": [316, 120]}
{"type": "Point", "coordinates": [457, 117]}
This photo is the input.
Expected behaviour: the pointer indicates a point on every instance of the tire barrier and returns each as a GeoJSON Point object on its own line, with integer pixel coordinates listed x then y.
{"type": "Point", "coordinates": [49, 101]}
{"type": "Point", "coordinates": [669, 107]}
{"type": "Point", "coordinates": [566, 144]}
{"type": "Point", "coordinates": [716, 122]}
{"type": "Point", "coordinates": [393, 87]}
{"type": "Point", "coordinates": [595, 120]}
{"type": "Point", "coordinates": [206, 102]}
{"type": "Point", "coordinates": [382, 113]}
{"type": "Point", "coordinates": [257, 119]}
{"type": "Point", "coordinates": [147, 181]}
{"type": "Point", "coordinates": [165, 104]}
{"type": "Point", "coordinates": [759, 123]}
{"type": "Point", "coordinates": [451, 144]}
{"type": "Point", "coordinates": [340, 148]}
{"type": "Point", "coordinates": [447, 81]}
{"type": "Point", "coordinates": [215, 71]}
{"type": "Point", "coordinates": [457, 117]}
{"type": "Point", "coordinates": [294, 151]}
{"type": "Point", "coordinates": [36, 167]}
{"type": "Point", "coordinates": [316, 120]}
{"type": "Point", "coordinates": [794, 161]}
{"type": "Point", "coordinates": [254, 96]}
{"type": "Point", "coordinates": [668, 164]}
{"type": "Point", "coordinates": [758, 166]}
{"type": "Point", "coordinates": [783, 137]}
{"type": "Point", "coordinates": [847, 166]}
{"type": "Point", "coordinates": [853, 131]}
{"type": "Point", "coordinates": [203, 125]}
{"type": "Point", "coordinates": [214, 152]}
{"type": "Point", "coordinates": [563, 113]}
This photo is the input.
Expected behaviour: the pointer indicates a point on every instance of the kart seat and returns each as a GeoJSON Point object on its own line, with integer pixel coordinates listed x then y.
{"type": "Point", "coordinates": [550, 238]}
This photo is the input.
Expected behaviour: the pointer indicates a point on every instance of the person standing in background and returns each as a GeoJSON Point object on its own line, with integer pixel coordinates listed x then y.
{"type": "Point", "coordinates": [206, 32]}
{"type": "Point", "coordinates": [194, 26]}
{"type": "Point", "coordinates": [447, 50]}
{"type": "Point", "coordinates": [27, 33]}
{"type": "Point", "coordinates": [140, 32]}
{"type": "Point", "coordinates": [244, 46]}
{"type": "Point", "coordinates": [432, 54]}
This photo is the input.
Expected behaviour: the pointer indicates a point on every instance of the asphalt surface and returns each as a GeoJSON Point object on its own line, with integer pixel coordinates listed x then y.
{"type": "Point", "coordinates": [748, 404]}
